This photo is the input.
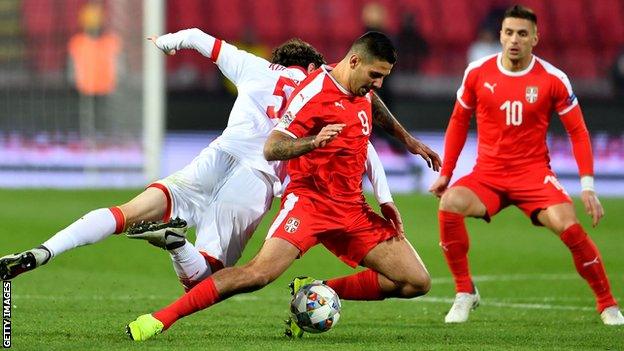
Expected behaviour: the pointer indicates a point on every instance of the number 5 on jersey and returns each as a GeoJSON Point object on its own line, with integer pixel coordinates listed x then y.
{"type": "Point", "coordinates": [283, 88]}
{"type": "Point", "coordinates": [513, 112]}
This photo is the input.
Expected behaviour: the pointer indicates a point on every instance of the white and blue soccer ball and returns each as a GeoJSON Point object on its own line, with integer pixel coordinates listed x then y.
{"type": "Point", "coordinates": [315, 308]}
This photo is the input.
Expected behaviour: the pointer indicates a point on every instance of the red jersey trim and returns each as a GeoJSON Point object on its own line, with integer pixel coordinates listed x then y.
{"type": "Point", "coordinates": [216, 50]}
{"type": "Point", "coordinates": [165, 190]}
{"type": "Point", "coordinates": [120, 219]}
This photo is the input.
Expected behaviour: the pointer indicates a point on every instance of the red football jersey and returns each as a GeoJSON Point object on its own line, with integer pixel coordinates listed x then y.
{"type": "Point", "coordinates": [335, 170]}
{"type": "Point", "coordinates": [513, 111]}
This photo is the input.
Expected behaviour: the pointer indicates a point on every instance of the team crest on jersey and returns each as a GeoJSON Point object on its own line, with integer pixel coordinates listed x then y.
{"type": "Point", "coordinates": [286, 119]}
{"type": "Point", "coordinates": [292, 224]}
{"type": "Point", "coordinates": [531, 94]}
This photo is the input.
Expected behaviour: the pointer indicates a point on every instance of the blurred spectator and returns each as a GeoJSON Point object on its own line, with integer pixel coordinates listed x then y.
{"type": "Point", "coordinates": [94, 53]}
{"type": "Point", "coordinates": [492, 20]}
{"type": "Point", "coordinates": [93, 69]}
{"type": "Point", "coordinates": [486, 44]}
{"type": "Point", "coordinates": [412, 45]}
{"type": "Point", "coordinates": [374, 17]}
{"type": "Point", "coordinates": [617, 75]}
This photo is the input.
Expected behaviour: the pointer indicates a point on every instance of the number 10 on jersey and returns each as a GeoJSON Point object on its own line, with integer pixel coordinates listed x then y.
{"type": "Point", "coordinates": [513, 112]}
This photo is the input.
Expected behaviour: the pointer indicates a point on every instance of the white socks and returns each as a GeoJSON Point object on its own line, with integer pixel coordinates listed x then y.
{"type": "Point", "coordinates": [95, 226]}
{"type": "Point", "coordinates": [189, 264]}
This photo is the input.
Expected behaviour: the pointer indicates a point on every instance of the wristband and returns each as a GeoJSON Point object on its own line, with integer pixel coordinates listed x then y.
{"type": "Point", "coordinates": [587, 183]}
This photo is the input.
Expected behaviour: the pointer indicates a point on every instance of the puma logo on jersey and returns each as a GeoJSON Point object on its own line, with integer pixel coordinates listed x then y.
{"type": "Point", "coordinates": [490, 86]}
{"type": "Point", "coordinates": [594, 261]}
{"type": "Point", "coordinates": [339, 104]}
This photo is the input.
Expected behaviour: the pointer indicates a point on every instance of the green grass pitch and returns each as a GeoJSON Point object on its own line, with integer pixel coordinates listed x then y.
{"type": "Point", "coordinates": [532, 298]}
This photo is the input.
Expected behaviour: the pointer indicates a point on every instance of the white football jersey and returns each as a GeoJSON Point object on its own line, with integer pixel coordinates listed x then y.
{"type": "Point", "coordinates": [263, 89]}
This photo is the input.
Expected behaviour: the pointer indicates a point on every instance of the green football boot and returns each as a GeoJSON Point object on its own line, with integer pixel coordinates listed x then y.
{"type": "Point", "coordinates": [144, 327]}
{"type": "Point", "coordinates": [292, 329]}
{"type": "Point", "coordinates": [298, 282]}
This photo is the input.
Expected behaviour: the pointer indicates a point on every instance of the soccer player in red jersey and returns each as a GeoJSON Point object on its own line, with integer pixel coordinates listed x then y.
{"type": "Point", "coordinates": [513, 95]}
{"type": "Point", "coordinates": [324, 133]}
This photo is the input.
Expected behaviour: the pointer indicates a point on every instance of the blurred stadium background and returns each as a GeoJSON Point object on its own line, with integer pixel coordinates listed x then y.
{"type": "Point", "coordinates": [53, 133]}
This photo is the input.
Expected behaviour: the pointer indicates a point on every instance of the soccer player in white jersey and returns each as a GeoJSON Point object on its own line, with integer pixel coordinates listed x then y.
{"type": "Point", "coordinates": [207, 192]}
{"type": "Point", "coordinates": [513, 95]}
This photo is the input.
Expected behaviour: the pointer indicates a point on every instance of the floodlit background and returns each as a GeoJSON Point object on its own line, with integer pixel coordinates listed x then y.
{"type": "Point", "coordinates": [56, 131]}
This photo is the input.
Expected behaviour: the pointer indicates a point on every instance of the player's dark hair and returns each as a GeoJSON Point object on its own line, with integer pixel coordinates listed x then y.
{"type": "Point", "coordinates": [519, 11]}
{"type": "Point", "coordinates": [375, 45]}
{"type": "Point", "coordinates": [296, 52]}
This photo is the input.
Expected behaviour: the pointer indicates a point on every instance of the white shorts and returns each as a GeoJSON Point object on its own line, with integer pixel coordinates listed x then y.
{"type": "Point", "coordinates": [223, 199]}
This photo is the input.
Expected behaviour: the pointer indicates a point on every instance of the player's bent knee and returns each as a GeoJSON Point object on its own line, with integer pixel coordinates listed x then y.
{"type": "Point", "coordinates": [416, 285]}
{"type": "Point", "coordinates": [453, 201]}
{"type": "Point", "coordinates": [560, 224]}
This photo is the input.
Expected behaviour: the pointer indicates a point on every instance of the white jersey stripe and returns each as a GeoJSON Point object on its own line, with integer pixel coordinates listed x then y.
{"type": "Point", "coordinates": [471, 66]}
{"type": "Point", "coordinates": [281, 129]}
{"type": "Point", "coordinates": [461, 102]}
{"type": "Point", "coordinates": [569, 108]}
{"type": "Point", "coordinates": [289, 204]}
{"type": "Point", "coordinates": [306, 94]}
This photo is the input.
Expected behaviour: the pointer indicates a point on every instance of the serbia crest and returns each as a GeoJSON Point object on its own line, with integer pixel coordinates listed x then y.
{"type": "Point", "coordinates": [291, 225]}
{"type": "Point", "coordinates": [531, 94]}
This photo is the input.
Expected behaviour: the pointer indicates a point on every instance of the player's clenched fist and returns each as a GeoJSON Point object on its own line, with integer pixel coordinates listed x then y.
{"type": "Point", "coordinates": [327, 134]}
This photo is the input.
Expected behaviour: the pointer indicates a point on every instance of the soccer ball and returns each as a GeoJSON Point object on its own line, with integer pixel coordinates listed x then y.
{"type": "Point", "coordinates": [315, 308]}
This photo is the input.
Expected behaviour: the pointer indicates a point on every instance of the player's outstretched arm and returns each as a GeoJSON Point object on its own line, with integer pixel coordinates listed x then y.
{"type": "Point", "coordinates": [237, 65]}
{"type": "Point", "coordinates": [384, 118]}
{"type": "Point", "coordinates": [574, 124]}
{"type": "Point", "coordinates": [280, 146]}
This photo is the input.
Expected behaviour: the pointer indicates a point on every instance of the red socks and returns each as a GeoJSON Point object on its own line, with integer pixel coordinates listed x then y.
{"type": "Point", "coordinates": [589, 264]}
{"type": "Point", "coordinates": [360, 286]}
{"type": "Point", "coordinates": [203, 295]}
{"type": "Point", "coordinates": [454, 242]}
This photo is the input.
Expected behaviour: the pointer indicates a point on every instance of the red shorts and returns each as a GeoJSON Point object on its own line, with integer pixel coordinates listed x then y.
{"type": "Point", "coordinates": [531, 190]}
{"type": "Point", "coordinates": [349, 231]}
